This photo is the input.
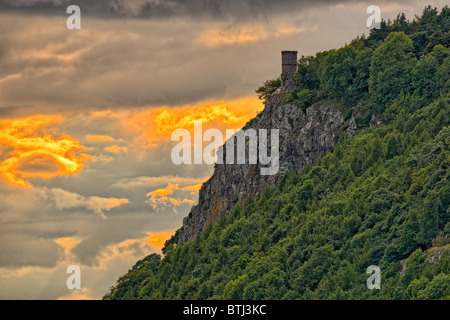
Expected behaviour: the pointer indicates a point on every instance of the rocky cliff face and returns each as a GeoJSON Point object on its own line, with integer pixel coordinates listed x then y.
{"type": "Point", "coordinates": [304, 137]}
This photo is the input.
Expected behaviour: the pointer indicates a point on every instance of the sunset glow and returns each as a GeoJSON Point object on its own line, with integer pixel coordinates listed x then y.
{"type": "Point", "coordinates": [157, 240]}
{"type": "Point", "coordinates": [244, 34]}
{"type": "Point", "coordinates": [164, 196]}
{"type": "Point", "coordinates": [234, 113]}
{"type": "Point", "coordinates": [30, 149]}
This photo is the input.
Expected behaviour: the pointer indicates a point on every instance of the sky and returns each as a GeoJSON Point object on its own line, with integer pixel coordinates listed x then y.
{"type": "Point", "coordinates": [86, 118]}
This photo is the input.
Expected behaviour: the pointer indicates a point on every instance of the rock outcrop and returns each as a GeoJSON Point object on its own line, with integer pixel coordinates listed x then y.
{"type": "Point", "coordinates": [304, 137]}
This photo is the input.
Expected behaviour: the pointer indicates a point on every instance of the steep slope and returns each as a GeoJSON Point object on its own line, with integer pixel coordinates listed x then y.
{"type": "Point", "coordinates": [381, 198]}
{"type": "Point", "coordinates": [305, 136]}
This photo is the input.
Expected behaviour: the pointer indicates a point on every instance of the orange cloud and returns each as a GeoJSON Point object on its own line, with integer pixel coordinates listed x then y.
{"type": "Point", "coordinates": [116, 149]}
{"type": "Point", "coordinates": [235, 113]}
{"type": "Point", "coordinates": [29, 149]}
{"type": "Point", "coordinates": [68, 243]}
{"type": "Point", "coordinates": [164, 191]}
{"type": "Point", "coordinates": [98, 138]}
{"type": "Point", "coordinates": [154, 240]}
{"type": "Point", "coordinates": [160, 197]}
{"type": "Point", "coordinates": [245, 34]}
{"type": "Point", "coordinates": [233, 35]}
{"type": "Point", "coordinates": [193, 189]}
{"type": "Point", "coordinates": [107, 203]}
{"type": "Point", "coordinates": [151, 126]}
{"type": "Point", "coordinates": [157, 240]}
{"type": "Point", "coordinates": [83, 294]}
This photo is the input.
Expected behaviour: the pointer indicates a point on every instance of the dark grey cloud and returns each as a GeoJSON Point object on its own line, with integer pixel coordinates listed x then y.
{"type": "Point", "coordinates": [21, 249]}
{"type": "Point", "coordinates": [163, 9]}
{"type": "Point", "coordinates": [214, 9]}
{"type": "Point", "coordinates": [7, 111]}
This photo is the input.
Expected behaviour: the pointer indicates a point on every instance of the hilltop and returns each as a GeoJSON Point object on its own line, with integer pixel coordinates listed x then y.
{"type": "Point", "coordinates": [363, 180]}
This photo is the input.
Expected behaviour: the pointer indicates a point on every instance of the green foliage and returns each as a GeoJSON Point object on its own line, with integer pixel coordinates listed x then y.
{"type": "Point", "coordinates": [420, 42]}
{"type": "Point", "coordinates": [268, 89]}
{"type": "Point", "coordinates": [390, 69]}
{"type": "Point", "coordinates": [301, 98]}
{"type": "Point", "coordinates": [380, 198]}
{"type": "Point", "coordinates": [344, 74]}
{"type": "Point", "coordinates": [309, 70]}
{"type": "Point", "coordinates": [425, 78]}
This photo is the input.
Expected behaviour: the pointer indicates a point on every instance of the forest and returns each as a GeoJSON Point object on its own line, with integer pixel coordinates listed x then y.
{"type": "Point", "coordinates": [380, 198]}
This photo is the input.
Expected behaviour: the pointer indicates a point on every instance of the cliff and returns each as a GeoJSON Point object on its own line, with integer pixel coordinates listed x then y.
{"type": "Point", "coordinates": [304, 136]}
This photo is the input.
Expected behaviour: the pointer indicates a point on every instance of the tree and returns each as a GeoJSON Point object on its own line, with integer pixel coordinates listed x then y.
{"type": "Point", "coordinates": [424, 76]}
{"type": "Point", "coordinates": [420, 41]}
{"type": "Point", "coordinates": [436, 38]}
{"type": "Point", "coordinates": [390, 69]}
{"type": "Point", "coordinates": [378, 35]}
{"type": "Point", "coordinates": [401, 24]}
{"type": "Point", "coordinates": [393, 147]}
{"type": "Point", "coordinates": [443, 77]}
{"type": "Point", "coordinates": [428, 20]}
{"type": "Point", "coordinates": [339, 73]}
{"type": "Point", "coordinates": [428, 220]}
{"type": "Point", "coordinates": [438, 288]}
{"type": "Point", "coordinates": [235, 289]}
{"type": "Point", "coordinates": [268, 89]}
{"type": "Point", "coordinates": [308, 71]}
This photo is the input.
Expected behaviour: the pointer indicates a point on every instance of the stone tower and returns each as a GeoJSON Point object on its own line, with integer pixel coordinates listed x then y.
{"type": "Point", "coordinates": [288, 68]}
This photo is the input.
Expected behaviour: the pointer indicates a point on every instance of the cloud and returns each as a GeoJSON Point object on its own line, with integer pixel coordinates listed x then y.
{"type": "Point", "coordinates": [21, 250]}
{"type": "Point", "coordinates": [162, 197]}
{"type": "Point", "coordinates": [82, 294]}
{"type": "Point", "coordinates": [116, 149]}
{"type": "Point", "coordinates": [151, 127]}
{"type": "Point", "coordinates": [49, 282]}
{"type": "Point", "coordinates": [157, 239]}
{"type": "Point", "coordinates": [64, 72]}
{"type": "Point", "coordinates": [119, 63]}
{"type": "Point", "coordinates": [63, 199]}
{"type": "Point", "coordinates": [159, 9]}
{"type": "Point", "coordinates": [149, 182]}
{"type": "Point", "coordinates": [68, 243]}
{"type": "Point", "coordinates": [91, 137]}
{"type": "Point", "coordinates": [193, 189]}
{"type": "Point", "coordinates": [232, 114]}
{"type": "Point", "coordinates": [29, 149]}
{"type": "Point", "coordinates": [240, 34]}
{"type": "Point", "coordinates": [164, 9]}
